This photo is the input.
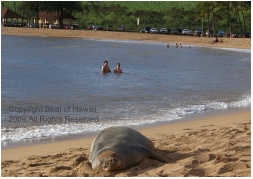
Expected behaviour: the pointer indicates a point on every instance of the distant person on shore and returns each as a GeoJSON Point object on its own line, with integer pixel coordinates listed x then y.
{"type": "Point", "coordinates": [181, 46]}
{"type": "Point", "coordinates": [117, 69]}
{"type": "Point", "coordinates": [215, 40]}
{"type": "Point", "coordinates": [176, 45]}
{"type": "Point", "coordinates": [105, 68]}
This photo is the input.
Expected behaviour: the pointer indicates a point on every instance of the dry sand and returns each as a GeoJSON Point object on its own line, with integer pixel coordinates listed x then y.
{"type": "Point", "coordinates": [210, 146]}
{"type": "Point", "coordinates": [218, 145]}
{"type": "Point", "coordinates": [242, 43]}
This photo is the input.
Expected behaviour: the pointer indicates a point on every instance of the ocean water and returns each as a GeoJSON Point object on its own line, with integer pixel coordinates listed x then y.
{"type": "Point", "coordinates": [52, 87]}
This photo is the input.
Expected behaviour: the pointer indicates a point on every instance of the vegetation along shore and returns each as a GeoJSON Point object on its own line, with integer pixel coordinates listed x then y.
{"type": "Point", "coordinates": [231, 16]}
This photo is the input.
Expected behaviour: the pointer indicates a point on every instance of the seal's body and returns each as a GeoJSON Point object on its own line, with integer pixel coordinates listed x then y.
{"type": "Point", "coordinates": [118, 148]}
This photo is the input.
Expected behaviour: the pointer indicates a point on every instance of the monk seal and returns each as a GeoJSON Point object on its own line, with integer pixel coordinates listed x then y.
{"type": "Point", "coordinates": [118, 148]}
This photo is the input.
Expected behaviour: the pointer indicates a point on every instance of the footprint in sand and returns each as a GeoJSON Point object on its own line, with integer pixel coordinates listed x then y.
{"type": "Point", "coordinates": [203, 158]}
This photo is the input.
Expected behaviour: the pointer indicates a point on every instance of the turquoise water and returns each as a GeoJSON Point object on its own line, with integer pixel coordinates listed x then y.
{"type": "Point", "coordinates": [52, 87]}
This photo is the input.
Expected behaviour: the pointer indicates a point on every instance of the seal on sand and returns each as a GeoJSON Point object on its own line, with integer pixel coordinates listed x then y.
{"type": "Point", "coordinates": [118, 148]}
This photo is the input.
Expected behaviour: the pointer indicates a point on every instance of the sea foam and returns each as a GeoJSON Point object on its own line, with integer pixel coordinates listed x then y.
{"type": "Point", "coordinates": [58, 130]}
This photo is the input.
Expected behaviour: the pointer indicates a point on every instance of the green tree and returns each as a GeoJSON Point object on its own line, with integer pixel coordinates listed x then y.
{"type": "Point", "coordinates": [245, 9]}
{"type": "Point", "coordinates": [29, 9]}
{"type": "Point", "coordinates": [205, 11]}
{"type": "Point", "coordinates": [61, 8]}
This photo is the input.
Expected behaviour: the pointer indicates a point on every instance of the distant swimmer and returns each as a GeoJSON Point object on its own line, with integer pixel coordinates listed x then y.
{"type": "Point", "coordinates": [181, 46]}
{"type": "Point", "coordinates": [105, 68]}
{"type": "Point", "coordinates": [117, 69]}
{"type": "Point", "coordinates": [176, 45]}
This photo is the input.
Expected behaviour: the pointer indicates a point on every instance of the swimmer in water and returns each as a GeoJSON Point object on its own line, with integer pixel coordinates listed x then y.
{"type": "Point", "coordinates": [105, 68]}
{"type": "Point", "coordinates": [117, 69]}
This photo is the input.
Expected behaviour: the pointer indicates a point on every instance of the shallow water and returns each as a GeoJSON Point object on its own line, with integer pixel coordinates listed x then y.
{"type": "Point", "coordinates": [53, 86]}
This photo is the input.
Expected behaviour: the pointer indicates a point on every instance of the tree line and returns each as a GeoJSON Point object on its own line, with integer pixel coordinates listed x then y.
{"type": "Point", "coordinates": [235, 16]}
{"type": "Point", "coordinates": [232, 16]}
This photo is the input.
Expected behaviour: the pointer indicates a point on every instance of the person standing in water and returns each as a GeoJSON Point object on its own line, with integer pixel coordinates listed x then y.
{"type": "Point", "coordinates": [105, 68]}
{"type": "Point", "coordinates": [117, 69]}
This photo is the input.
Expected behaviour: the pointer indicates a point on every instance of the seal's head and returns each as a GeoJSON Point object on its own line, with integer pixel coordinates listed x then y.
{"type": "Point", "coordinates": [107, 160]}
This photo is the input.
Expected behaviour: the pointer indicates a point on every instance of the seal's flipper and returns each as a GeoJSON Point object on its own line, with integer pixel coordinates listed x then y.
{"type": "Point", "coordinates": [153, 155]}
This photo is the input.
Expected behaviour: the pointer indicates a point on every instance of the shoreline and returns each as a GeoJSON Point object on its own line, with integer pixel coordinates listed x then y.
{"type": "Point", "coordinates": [92, 135]}
{"type": "Point", "coordinates": [239, 43]}
{"type": "Point", "coordinates": [73, 137]}
{"type": "Point", "coordinates": [201, 141]}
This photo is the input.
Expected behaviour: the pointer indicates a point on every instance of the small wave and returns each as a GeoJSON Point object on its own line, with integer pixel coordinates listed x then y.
{"type": "Point", "coordinates": [73, 46]}
{"type": "Point", "coordinates": [244, 102]}
{"type": "Point", "coordinates": [46, 131]}
{"type": "Point", "coordinates": [128, 41]}
{"type": "Point", "coordinates": [57, 130]}
{"type": "Point", "coordinates": [234, 49]}
{"type": "Point", "coordinates": [179, 113]}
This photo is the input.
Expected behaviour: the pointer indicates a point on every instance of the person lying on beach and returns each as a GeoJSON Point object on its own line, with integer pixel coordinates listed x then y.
{"type": "Point", "coordinates": [105, 68]}
{"type": "Point", "coordinates": [117, 69]}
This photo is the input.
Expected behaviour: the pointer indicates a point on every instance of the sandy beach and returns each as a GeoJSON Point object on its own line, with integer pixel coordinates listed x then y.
{"type": "Point", "coordinates": [241, 43]}
{"type": "Point", "coordinates": [207, 145]}
{"type": "Point", "coordinates": [216, 145]}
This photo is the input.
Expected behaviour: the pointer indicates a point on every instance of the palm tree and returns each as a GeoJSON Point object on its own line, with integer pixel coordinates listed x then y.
{"type": "Point", "coordinates": [205, 11]}
{"type": "Point", "coordinates": [245, 5]}
{"type": "Point", "coordinates": [235, 8]}
{"type": "Point", "coordinates": [225, 9]}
